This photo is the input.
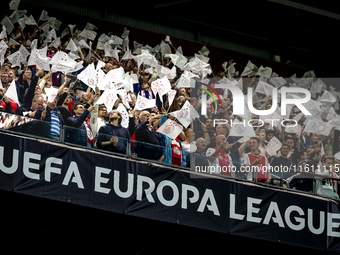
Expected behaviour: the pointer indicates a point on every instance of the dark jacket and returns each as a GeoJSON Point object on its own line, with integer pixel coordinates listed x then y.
{"type": "Point", "coordinates": [144, 140]}
{"type": "Point", "coordinates": [106, 132]}
{"type": "Point", "coordinates": [30, 92]}
{"type": "Point", "coordinates": [76, 131]}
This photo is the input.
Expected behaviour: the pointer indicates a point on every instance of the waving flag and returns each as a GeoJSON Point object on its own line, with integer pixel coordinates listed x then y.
{"type": "Point", "coordinates": [170, 129]}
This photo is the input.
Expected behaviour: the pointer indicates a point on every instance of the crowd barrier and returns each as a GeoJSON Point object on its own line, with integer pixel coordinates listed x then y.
{"type": "Point", "coordinates": [322, 185]}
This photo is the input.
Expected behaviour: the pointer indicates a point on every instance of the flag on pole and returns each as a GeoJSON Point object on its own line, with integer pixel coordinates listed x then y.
{"type": "Point", "coordinates": [273, 146]}
{"type": "Point", "coordinates": [171, 96]}
{"type": "Point", "coordinates": [296, 129]}
{"type": "Point", "coordinates": [15, 59]}
{"type": "Point", "coordinates": [44, 16]}
{"type": "Point", "coordinates": [51, 94]}
{"type": "Point", "coordinates": [186, 114]}
{"type": "Point", "coordinates": [30, 21]}
{"type": "Point", "coordinates": [170, 128]}
{"type": "Point", "coordinates": [88, 34]}
{"type": "Point", "coordinates": [109, 97]}
{"type": "Point", "coordinates": [89, 76]}
{"type": "Point", "coordinates": [38, 57]}
{"type": "Point", "coordinates": [14, 4]}
{"type": "Point", "coordinates": [144, 103]}
{"type": "Point", "coordinates": [125, 115]}
{"type": "Point", "coordinates": [8, 24]}
{"type": "Point", "coordinates": [161, 86]}
{"type": "Point", "coordinates": [3, 33]}
{"type": "Point", "coordinates": [71, 46]}
{"type": "Point", "coordinates": [317, 126]}
{"type": "Point", "coordinates": [239, 128]}
{"type": "Point", "coordinates": [12, 93]}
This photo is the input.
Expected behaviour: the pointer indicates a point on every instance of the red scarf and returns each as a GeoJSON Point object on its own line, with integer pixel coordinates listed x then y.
{"type": "Point", "coordinates": [90, 138]}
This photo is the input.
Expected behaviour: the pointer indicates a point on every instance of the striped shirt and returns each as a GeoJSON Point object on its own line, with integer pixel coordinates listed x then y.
{"type": "Point", "coordinates": [55, 125]}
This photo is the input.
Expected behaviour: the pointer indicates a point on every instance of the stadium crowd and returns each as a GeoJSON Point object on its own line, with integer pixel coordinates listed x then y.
{"type": "Point", "coordinates": [275, 154]}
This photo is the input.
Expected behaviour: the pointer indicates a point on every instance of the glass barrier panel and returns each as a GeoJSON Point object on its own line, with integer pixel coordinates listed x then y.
{"type": "Point", "coordinates": [38, 128]}
{"type": "Point", "coordinates": [86, 138]}
{"type": "Point", "coordinates": [326, 186]}
{"type": "Point", "coordinates": [112, 143]}
{"type": "Point", "coordinates": [29, 126]}
{"type": "Point", "coordinates": [78, 136]}
{"type": "Point", "coordinates": [148, 151]}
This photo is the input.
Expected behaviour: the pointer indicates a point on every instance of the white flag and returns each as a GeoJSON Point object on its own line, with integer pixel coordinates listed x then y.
{"type": "Point", "coordinates": [296, 129]}
{"type": "Point", "coordinates": [3, 33]}
{"type": "Point", "coordinates": [55, 43]}
{"type": "Point", "coordinates": [161, 86]}
{"type": "Point", "coordinates": [239, 128]}
{"type": "Point", "coordinates": [167, 40]}
{"type": "Point", "coordinates": [12, 93]}
{"type": "Point", "coordinates": [109, 97]}
{"type": "Point", "coordinates": [100, 64]}
{"type": "Point", "coordinates": [63, 59]}
{"type": "Point", "coordinates": [24, 53]}
{"type": "Point", "coordinates": [38, 57]}
{"type": "Point", "coordinates": [327, 97]}
{"type": "Point", "coordinates": [171, 96]}
{"type": "Point", "coordinates": [249, 70]}
{"type": "Point", "coordinates": [3, 48]}
{"type": "Point", "coordinates": [184, 81]}
{"type": "Point", "coordinates": [318, 127]}
{"type": "Point", "coordinates": [125, 115]}
{"type": "Point", "coordinates": [183, 115]}
{"type": "Point", "coordinates": [15, 58]}
{"type": "Point", "coordinates": [272, 118]}
{"type": "Point", "coordinates": [265, 72]}
{"type": "Point", "coordinates": [30, 21]}
{"type": "Point", "coordinates": [13, 5]}
{"type": "Point", "coordinates": [127, 55]}
{"type": "Point", "coordinates": [144, 103]}
{"type": "Point", "coordinates": [84, 44]}
{"type": "Point", "coordinates": [264, 88]}
{"type": "Point", "coordinates": [178, 59]}
{"type": "Point", "coordinates": [71, 46]}
{"type": "Point", "coordinates": [90, 26]}
{"type": "Point", "coordinates": [170, 129]}
{"type": "Point", "coordinates": [335, 122]}
{"type": "Point", "coordinates": [8, 24]}
{"type": "Point", "coordinates": [89, 76]}
{"type": "Point", "coordinates": [316, 88]}
{"type": "Point", "coordinates": [116, 74]}
{"type": "Point", "coordinates": [204, 51]}
{"type": "Point", "coordinates": [51, 94]}
{"type": "Point", "coordinates": [337, 156]}
{"type": "Point", "coordinates": [88, 34]}
{"type": "Point", "coordinates": [13, 42]}
{"type": "Point", "coordinates": [104, 81]}
{"type": "Point", "coordinates": [44, 16]}
{"type": "Point", "coordinates": [273, 146]}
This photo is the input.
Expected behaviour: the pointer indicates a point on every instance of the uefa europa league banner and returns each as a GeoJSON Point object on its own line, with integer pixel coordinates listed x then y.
{"type": "Point", "coordinates": [89, 178]}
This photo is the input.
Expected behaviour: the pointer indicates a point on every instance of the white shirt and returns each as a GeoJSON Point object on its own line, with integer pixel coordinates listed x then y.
{"type": "Point", "coordinates": [189, 147]}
